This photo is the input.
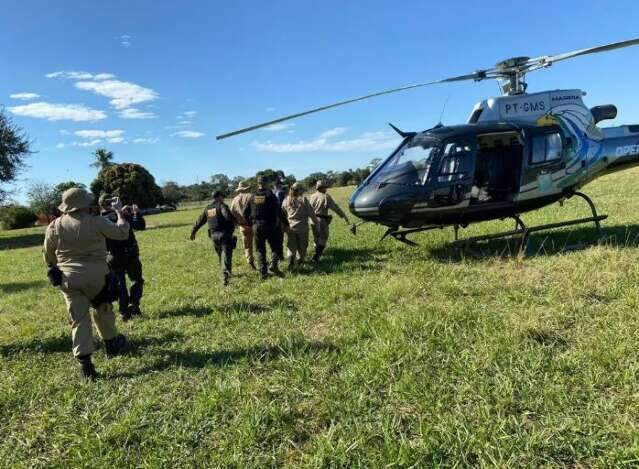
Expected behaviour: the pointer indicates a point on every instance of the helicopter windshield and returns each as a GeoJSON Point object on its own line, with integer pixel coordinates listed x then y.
{"type": "Point", "coordinates": [410, 164]}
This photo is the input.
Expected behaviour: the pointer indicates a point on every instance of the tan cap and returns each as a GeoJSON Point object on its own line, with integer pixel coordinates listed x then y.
{"type": "Point", "coordinates": [75, 199]}
{"type": "Point", "coordinates": [242, 187]}
{"type": "Point", "coordinates": [297, 186]}
{"type": "Point", "coordinates": [320, 185]}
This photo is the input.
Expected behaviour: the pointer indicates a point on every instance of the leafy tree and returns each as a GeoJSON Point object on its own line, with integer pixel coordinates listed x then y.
{"type": "Point", "coordinates": [375, 162]}
{"type": "Point", "coordinates": [42, 198]}
{"type": "Point", "coordinates": [132, 183]}
{"type": "Point", "coordinates": [173, 193]}
{"type": "Point", "coordinates": [221, 182]}
{"type": "Point", "coordinates": [14, 148]}
{"type": "Point", "coordinates": [103, 158]}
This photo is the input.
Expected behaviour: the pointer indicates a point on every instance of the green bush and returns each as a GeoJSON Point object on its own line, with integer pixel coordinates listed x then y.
{"type": "Point", "coordinates": [13, 217]}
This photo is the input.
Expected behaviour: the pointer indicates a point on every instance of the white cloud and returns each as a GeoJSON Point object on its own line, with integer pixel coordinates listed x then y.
{"type": "Point", "coordinates": [190, 114]}
{"type": "Point", "coordinates": [123, 94]}
{"type": "Point", "coordinates": [99, 133]}
{"type": "Point", "coordinates": [333, 132]}
{"type": "Point", "coordinates": [24, 96]}
{"type": "Point", "coordinates": [280, 127]}
{"type": "Point", "coordinates": [125, 40]}
{"type": "Point", "coordinates": [57, 112]}
{"type": "Point", "coordinates": [188, 134]}
{"type": "Point", "coordinates": [60, 145]}
{"type": "Point", "coordinates": [145, 140]}
{"type": "Point", "coordinates": [368, 141]}
{"type": "Point", "coordinates": [115, 140]}
{"type": "Point", "coordinates": [64, 132]}
{"type": "Point", "coordinates": [90, 143]}
{"type": "Point", "coordinates": [133, 113]}
{"type": "Point", "coordinates": [74, 75]}
{"type": "Point", "coordinates": [185, 122]}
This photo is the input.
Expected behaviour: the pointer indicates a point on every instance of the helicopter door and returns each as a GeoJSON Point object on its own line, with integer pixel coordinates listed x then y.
{"type": "Point", "coordinates": [545, 159]}
{"type": "Point", "coordinates": [453, 182]}
{"type": "Point", "coordinates": [497, 167]}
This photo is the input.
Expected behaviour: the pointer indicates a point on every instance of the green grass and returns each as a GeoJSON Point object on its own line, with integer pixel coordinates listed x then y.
{"type": "Point", "coordinates": [383, 355]}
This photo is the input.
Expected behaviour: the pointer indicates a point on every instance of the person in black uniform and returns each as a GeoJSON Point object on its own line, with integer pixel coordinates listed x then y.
{"type": "Point", "coordinates": [221, 228]}
{"type": "Point", "coordinates": [264, 213]}
{"type": "Point", "coordinates": [124, 258]}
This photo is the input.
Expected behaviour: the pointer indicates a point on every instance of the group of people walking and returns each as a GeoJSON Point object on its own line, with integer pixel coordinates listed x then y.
{"type": "Point", "coordinates": [263, 217]}
{"type": "Point", "coordinates": [91, 251]}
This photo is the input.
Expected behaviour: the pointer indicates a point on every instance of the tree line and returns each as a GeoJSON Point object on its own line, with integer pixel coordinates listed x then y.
{"type": "Point", "coordinates": [131, 182]}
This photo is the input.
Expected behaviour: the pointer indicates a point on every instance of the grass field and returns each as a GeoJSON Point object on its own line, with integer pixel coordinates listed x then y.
{"type": "Point", "coordinates": [383, 355]}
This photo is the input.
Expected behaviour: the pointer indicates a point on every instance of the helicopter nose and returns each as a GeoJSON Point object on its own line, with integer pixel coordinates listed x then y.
{"type": "Point", "coordinates": [364, 204]}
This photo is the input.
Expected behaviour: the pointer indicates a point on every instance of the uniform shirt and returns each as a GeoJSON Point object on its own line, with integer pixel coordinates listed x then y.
{"type": "Point", "coordinates": [239, 205]}
{"type": "Point", "coordinates": [298, 212]}
{"type": "Point", "coordinates": [263, 208]}
{"type": "Point", "coordinates": [76, 242]}
{"type": "Point", "coordinates": [207, 213]}
{"type": "Point", "coordinates": [128, 247]}
{"type": "Point", "coordinates": [321, 203]}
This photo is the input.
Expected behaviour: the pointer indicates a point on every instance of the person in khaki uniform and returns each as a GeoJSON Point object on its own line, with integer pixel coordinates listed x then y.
{"type": "Point", "coordinates": [322, 203]}
{"type": "Point", "coordinates": [238, 206]}
{"type": "Point", "coordinates": [75, 251]}
{"type": "Point", "coordinates": [298, 213]}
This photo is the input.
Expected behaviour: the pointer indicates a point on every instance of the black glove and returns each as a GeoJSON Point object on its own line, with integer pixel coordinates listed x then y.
{"type": "Point", "coordinates": [55, 276]}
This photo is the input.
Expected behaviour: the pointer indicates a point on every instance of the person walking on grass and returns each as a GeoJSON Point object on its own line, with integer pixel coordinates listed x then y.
{"type": "Point", "coordinates": [75, 253]}
{"type": "Point", "coordinates": [265, 214]}
{"type": "Point", "coordinates": [124, 258]}
{"type": "Point", "coordinates": [221, 228]}
{"type": "Point", "coordinates": [238, 206]}
{"type": "Point", "coordinates": [298, 212]}
{"type": "Point", "coordinates": [322, 203]}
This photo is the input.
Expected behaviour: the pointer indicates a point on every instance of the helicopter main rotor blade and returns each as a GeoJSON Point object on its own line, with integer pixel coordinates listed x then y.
{"type": "Point", "coordinates": [480, 75]}
{"type": "Point", "coordinates": [548, 60]}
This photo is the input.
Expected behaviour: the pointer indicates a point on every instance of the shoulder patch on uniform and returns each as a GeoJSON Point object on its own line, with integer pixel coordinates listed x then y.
{"type": "Point", "coordinates": [211, 213]}
{"type": "Point", "coordinates": [259, 199]}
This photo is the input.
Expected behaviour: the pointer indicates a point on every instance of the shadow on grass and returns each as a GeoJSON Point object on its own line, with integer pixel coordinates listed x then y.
{"type": "Point", "coordinates": [21, 241]}
{"type": "Point", "coordinates": [15, 287]}
{"type": "Point", "coordinates": [199, 359]}
{"type": "Point", "coordinates": [338, 259]}
{"type": "Point", "coordinates": [542, 244]}
{"type": "Point", "coordinates": [57, 344]}
{"type": "Point", "coordinates": [235, 307]}
{"type": "Point", "coordinates": [168, 225]}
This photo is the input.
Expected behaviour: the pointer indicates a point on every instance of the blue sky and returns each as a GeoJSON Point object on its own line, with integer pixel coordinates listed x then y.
{"type": "Point", "coordinates": [155, 81]}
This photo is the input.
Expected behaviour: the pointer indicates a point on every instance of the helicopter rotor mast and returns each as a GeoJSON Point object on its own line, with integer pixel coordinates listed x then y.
{"type": "Point", "coordinates": [511, 71]}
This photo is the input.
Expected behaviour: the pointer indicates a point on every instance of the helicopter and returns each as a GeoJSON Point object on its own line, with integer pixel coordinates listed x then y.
{"type": "Point", "coordinates": [518, 152]}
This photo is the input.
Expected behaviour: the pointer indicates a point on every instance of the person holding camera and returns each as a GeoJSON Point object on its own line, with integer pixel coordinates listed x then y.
{"type": "Point", "coordinates": [221, 228]}
{"type": "Point", "coordinates": [124, 257]}
{"type": "Point", "coordinates": [75, 252]}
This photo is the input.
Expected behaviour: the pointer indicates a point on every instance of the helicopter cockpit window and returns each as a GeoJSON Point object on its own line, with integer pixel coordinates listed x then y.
{"type": "Point", "coordinates": [410, 164]}
{"type": "Point", "coordinates": [546, 148]}
{"type": "Point", "coordinates": [456, 162]}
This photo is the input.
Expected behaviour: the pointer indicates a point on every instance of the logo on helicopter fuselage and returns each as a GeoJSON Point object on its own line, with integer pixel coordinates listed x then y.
{"type": "Point", "coordinates": [627, 150]}
{"type": "Point", "coordinates": [525, 107]}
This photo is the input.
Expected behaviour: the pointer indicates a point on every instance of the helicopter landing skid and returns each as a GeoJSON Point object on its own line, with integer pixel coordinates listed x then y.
{"type": "Point", "coordinates": [524, 231]}
{"type": "Point", "coordinates": [400, 235]}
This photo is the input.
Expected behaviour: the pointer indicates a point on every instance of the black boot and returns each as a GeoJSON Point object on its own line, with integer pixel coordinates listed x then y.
{"type": "Point", "coordinates": [226, 279]}
{"type": "Point", "coordinates": [318, 253]}
{"type": "Point", "coordinates": [275, 269]}
{"type": "Point", "coordinates": [126, 314]}
{"type": "Point", "coordinates": [291, 263]}
{"type": "Point", "coordinates": [115, 346]}
{"type": "Point", "coordinates": [134, 310]}
{"type": "Point", "coordinates": [87, 370]}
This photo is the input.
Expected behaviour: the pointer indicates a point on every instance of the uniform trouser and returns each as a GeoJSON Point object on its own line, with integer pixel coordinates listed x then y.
{"type": "Point", "coordinates": [79, 288]}
{"type": "Point", "coordinates": [247, 241]}
{"type": "Point", "coordinates": [272, 235]}
{"type": "Point", "coordinates": [223, 246]}
{"type": "Point", "coordinates": [321, 233]}
{"type": "Point", "coordinates": [131, 267]}
{"type": "Point", "coordinates": [297, 245]}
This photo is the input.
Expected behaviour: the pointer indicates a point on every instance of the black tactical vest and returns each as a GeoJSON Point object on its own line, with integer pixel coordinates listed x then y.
{"type": "Point", "coordinates": [216, 220]}
{"type": "Point", "coordinates": [264, 207]}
